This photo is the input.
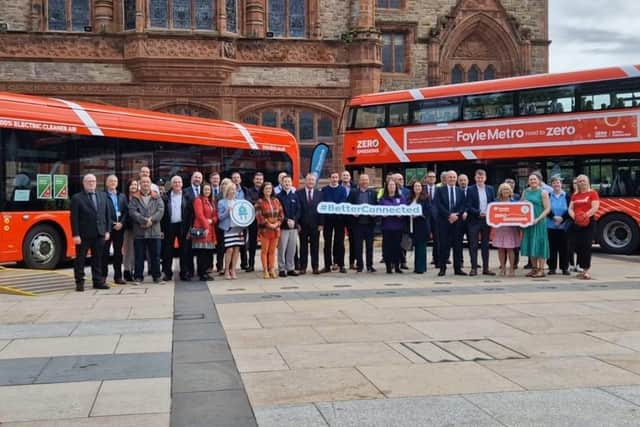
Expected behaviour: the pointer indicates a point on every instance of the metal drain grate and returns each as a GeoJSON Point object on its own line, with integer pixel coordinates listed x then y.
{"type": "Point", "coordinates": [271, 296]}
{"type": "Point", "coordinates": [188, 316]}
{"type": "Point", "coordinates": [393, 284]}
{"type": "Point", "coordinates": [462, 350]}
{"type": "Point", "coordinates": [341, 286]}
{"type": "Point", "coordinates": [289, 287]}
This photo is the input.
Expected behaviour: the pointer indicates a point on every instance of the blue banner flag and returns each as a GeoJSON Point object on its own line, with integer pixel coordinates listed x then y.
{"type": "Point", "coordinates": [318, 157]}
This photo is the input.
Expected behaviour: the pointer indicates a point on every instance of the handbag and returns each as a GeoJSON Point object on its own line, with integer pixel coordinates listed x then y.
{"type": "Point", "coordinates": [196, 232]}
{"type": "Point", "coordinates": [406, 242]}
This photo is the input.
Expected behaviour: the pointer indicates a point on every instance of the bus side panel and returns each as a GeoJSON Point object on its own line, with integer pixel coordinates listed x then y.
{"type": "Point", "coordinates": [16, 225]}
{"type": "Point", "coordinates": [627, 206]}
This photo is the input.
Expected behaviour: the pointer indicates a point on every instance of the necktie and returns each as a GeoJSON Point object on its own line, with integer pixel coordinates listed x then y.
{"type": "Point", "coordinates": [196, 190]}
{"type": "Point", "coordinates": [309, 198]}
{"type": "Point", "coordinates": [215, 192]}
{"type": "Point", "coordinates": [451, 201]}
{"type": "Point", "coordinates": [92, 196]}
{"type": "Point", "coordinates": [430, 193]}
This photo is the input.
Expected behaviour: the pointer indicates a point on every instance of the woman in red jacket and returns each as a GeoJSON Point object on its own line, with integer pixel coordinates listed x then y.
{"type": "Point", "coordinates": [205, 218]}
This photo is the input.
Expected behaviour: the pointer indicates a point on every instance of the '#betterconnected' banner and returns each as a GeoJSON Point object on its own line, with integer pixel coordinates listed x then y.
{"type": "Point", "coordinates": [331, 208]}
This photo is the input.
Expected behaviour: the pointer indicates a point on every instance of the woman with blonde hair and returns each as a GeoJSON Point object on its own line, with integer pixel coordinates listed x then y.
{"type": "Point", "coordinates": [233, 236]}
{"type": "Point", "coordinates": [269, 216]}
{"type": "Point", "coordinates": [506, 238]}
{"type": "Point", "coordinates": [584, 205]}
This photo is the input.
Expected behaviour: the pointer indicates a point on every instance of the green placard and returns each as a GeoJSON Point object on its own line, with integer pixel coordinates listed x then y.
{"type": "Point", "coordinates": [44, 186]}
{"type": "Point", "coordinates": [60, 187]}
{"type": "Point", "coordinates": [420, 174]}
{"type": "Point", "coordinates": [409, 176]}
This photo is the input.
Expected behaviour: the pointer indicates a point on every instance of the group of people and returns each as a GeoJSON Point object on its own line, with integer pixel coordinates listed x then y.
{"type": "Point", "coordinates": [148, 224]}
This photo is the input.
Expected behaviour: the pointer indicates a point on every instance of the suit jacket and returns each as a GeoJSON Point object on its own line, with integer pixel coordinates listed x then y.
{"type": "Point", "coordinates": [310, 219]}
{"type": "Point", "coordinates": [290, 207]}
{"type": "Point", "coordinates": [473, 201]}
{"type": "Point", "coordinates": [442, 203]}
{"type": "Point", "coordinates": [190, 196]}
{"type": "Point", "coordinates": [354, 199]}
{"type": "Point", "coordinates": [185, 208]}
{"type": "Point", "coordinates": [123, 206]}
{"type": "Point", "coordinates": [86, 220]}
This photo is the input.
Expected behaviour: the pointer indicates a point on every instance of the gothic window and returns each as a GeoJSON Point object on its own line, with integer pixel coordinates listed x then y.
{"type": "Point", "coordinates": [457, 74]}
{"type": "Point", "coordinates": [287, 18]}
{"type": "Point", "coordinates": [68, 15]}
{"type": "Point", "coordinates": [232, 23]}
{"type": "Point", "coordinates": [490, 73]}
{"type": "Point", "coordinates": [389, 4]}
{"type": "Point", "coordinates": [189, 110]}
{"type": "Point", "coordinates": [393, 53]}
{"type": "Point", "coordinates": [182, 14]}
{"type": "Point", "coordinates": [129, 14]}
{"type": "Point", "coordinates": [251, 120]}
{"type": "Point", "coordinates": [474, 74]}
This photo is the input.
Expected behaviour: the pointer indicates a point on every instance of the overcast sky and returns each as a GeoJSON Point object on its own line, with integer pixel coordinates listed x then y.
{"type": "Point", "coordinates": [593, 33]}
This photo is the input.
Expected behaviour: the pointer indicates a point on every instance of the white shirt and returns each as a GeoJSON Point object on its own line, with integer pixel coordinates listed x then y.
{"type": "Point", "coordinates": [176, 207]}
{"type": "Point", "coordinates": [482, 196]}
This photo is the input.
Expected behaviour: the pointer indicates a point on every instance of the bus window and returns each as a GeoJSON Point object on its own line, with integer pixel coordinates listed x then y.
{"type": "Point", "coordinates": [547, 101]}
{"type": "Point", "coordinates": [616, 94]}
{"type": "Point", "coordinates": [398, 114]}
{"type": "Point", "coordinates": [370, 117]}
{"type": "Point", "coordinates": [436, 111]}
{"type": "Point", "coordinates": [491, 106]}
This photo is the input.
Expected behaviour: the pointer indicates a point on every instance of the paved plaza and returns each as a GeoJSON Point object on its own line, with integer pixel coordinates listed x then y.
{"type": "Point", "coordinates": [332, 350]}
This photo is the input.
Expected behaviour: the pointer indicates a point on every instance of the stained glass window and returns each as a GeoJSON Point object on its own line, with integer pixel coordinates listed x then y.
{"type": "Point", "coordinates": [474, 74]}
{"type": "Point", "coordinates": [277, 17]}
{"type": "Point", "coordinates": [289, 124]}
{"type": "Point", "coordinates": [457, 74]}
{"type": "Point", "coordinates": [80, 16]}
{"type": "Point", "coordinates": [393, 53]}
{"type": "Point", "coordinates": [181, 13]}
{"type": "Point", "coordinates": [158, 13]}
{"type": "Point", "coordinates": [287, 18]}
{"type": "Point", "coordinates": [232, 24]}
{"type": "Point", "coordinates": [296, 18]}
{"type": "Point", "coordinates": [325, 127]}
{"type": "Point", "coordinates": [129, 14]}
{"type": "Point", "coordinates": [205, 15]}
{"type": "Point", "coordinates": [490, 73]}
{"type": "Point", "coordinates": [252, 120]}
{"type": "Point", "coordinates": [389, 4]}
{"type": "Point", "coordinates": [57, 15]}
{"type": "Point", "coordinates": [306, 125]}
{"type": "Point", "coordinates": [269, 119]}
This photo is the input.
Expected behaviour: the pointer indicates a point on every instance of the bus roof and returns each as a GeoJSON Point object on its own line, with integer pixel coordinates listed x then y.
{"type": "Point", "coordinates": [61, 116]}
{"type": "Point", "coordinates": [498, 85]}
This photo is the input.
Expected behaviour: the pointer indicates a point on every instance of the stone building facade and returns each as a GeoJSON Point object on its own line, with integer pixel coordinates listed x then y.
{"type": "Point", "coordinates": [288, 63]}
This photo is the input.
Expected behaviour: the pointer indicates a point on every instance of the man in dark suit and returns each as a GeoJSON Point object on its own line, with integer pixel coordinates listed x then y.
{"type": "Point", "coordinates": [345, 181]}
{"type": "Point", "coordinates": [363, 225]}
{"type": "Point", "coordinates": [478, 197]}
{"type": "Point", "coordinates": [333, 226]}
{"type": "Point", "coordinates": [451, 207]}
{"type": "Point", "coordinates": [463, 183]}
{"type": "Point", "coordinates": [253, 195]}
{"type": "Point", "coordinates": [90, 223]}
{"type": "Point", "coordinates": [191, 193]}
{"type": "Point", "coordinates": [430, 187]}
{"type": "Point", "coordinates": [310, 224]}
{"type": "Point", "coordinates": [119, 211]}
{"type": "Point", "coordinates": [175, 226]}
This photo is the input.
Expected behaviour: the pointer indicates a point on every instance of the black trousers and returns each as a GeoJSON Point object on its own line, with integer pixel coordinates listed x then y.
{"type": "Point", "coordinates": [309, 245]}
{"type": "Point", "coordinates": [116, 240]}
{"type": "Point", "coordinates": [583, 240]}
{"type": "Point", "coordinates": [219, 249]}
{"type": "Point", "coordinates": [173, 231]}
{"type": "Point", "coordinates": [434, 235]}
{"type": "Point", "coordinates": [478, 229]}
{"type": "Point", "coordinates": [363, 236]}
{"type": "Point", "coordinates": [391, 247]}
{"type": "Point", "coordinates": [96, 244]}
{"type": "Point", "coordinates": [465, 229]}
{"type": "Point", "coordinates": [352, 247]}
{"type": "Point", "coordinates": [205, 260]}
{"type": "Point", "coordinates": [558, 249]}
{"type": "Point", "coordinates": [142, 247]}
{"type": "Point", "coordinates": [449, 237]}
{"type": "Point", "coordinates": [252, 244]}
{"type": "Point", "coordinates": [189, 265]}
{"type": "Point", "coordinates": [333, 234]}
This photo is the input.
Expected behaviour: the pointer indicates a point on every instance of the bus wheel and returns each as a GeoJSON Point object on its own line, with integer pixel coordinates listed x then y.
{"type": "Point", "coordinates": [618, 234]}
{"type": "Point", "coordinates": [42, 248]}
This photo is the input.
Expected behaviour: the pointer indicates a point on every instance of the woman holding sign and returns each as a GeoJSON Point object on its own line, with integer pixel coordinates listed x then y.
{"type": "Point", "coordinates": [233, 236]}
{"type": "Point", "coordinates": [420, 228]}
{"type": "Point", "coordinates": [506, 238]}
{"type": "Point", "coordinates": [535, 242]}
{"type": "Point", "coordinates": [392, 228]}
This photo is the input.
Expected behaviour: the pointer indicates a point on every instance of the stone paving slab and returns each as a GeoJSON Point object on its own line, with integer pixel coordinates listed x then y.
{"type": "Point", "coordinates": [253, 338]}
{"type": "Point", "coordinates": [339, 355]}
{"type": "Point", "coordinates": [290, 416]}
{"type": "Point", "coordinates": [551, 373]}
{"type": "Point", "coordinates": [433, 411]}
{"type": "Point", "coordinates": [560, 345]}
{"type": "Point", "coordinates": [205, 331]}
{"type": "Point", "coordinates": [155, 420]}
{"type": "Point", "coordinates": [104, 367]}
{"type": "Point", "coordinates": [123, 327]}
{"type": "Point", "coordinates": [307, 385]}
{"type": "Point", "coordinates": [30, 330]}
{"type": "Point", "coordinates": [470, 312]}
{"type": "Point", "coordinates": [575, 407]}
{"type": "Point", "coordinates": [558, 324]}
{"type": "Point", "coordinates": [390, 315]}
{"type": "Point", "coordinates": [67, 315]}
{"type": "Point", "coordinates": [628, 393]}
{"type": "Point", "coordinates": [64, 346]}
{"type": "Point", "coordinates": [388, 332]}
{"type": "Point", "coordinates": [201, 351]}
{"type": "Point", "coordinates": [628, 339]}
{"type": "Point", "coordinates": [556, 309]}
{"type": "Point", "coordinates": [466, 329]}
{"type": "Point", "coordinates": [435, 379]}
{"type": "Point", "coordinates": [139, 396]}
{"type": "Point", "coordinates": [212, 408]}
{"type": "Point", "coordinates": [259, 359]}
{"type": "Point", "coordinates": [45, 401]}
{"type": "Point", "coordinates": [304, 318]}
{"type": "Point", "coordinates": [21, 371]}
{"type": "Point", "coordinates": [145, 343]}
{"type": "Point", "coordinates": [205, 376]}
{"type": "Point", "coordinates": [630, 362]}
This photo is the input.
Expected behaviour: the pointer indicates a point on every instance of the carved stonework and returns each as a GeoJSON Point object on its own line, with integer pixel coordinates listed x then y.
{"type": "Point", "coordinates": [188, 110]}
{"type": "Point", "coordinates": [229, 50]}
{"type": "Point", "coordinates": [172, 48]}
{"type": "Point", "coordinates": [63, 47]}
{"type": "Point", "coordinates": [296, 52]}
{"type": "Point", "coordinates": [474, 47]}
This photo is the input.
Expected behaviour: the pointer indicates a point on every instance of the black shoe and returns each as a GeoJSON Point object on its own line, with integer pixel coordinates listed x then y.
{"type": "Point", "coordinates": [127, 276]}
{"type": "Point", "coordinates": [249, 269]}
{"type": "Point", "coordinates": [168, 278]}
{"type": "Point", "coordinates": [282, 274]}
{"type": "Point", "coordinates": [473, 272]}
{"type": "Point", "coordinates": [119, 281]}
{"type": "Point", "coordinates": [404, 266]}
{"type": "Point", "coordinates": [566, 273]}
{"type": "Point", "coordinates": [488, 273]}
{"type": "Point", "coordinates": [419, 272]}
{"type": "Point", "coordinates": [460, 273]}
{"type": "Point", "coordinates": [371, 270]}
{"type": "Point", "coordinates": [343, 270]}
{"type": "Point", "coordinates": [441, 272]}
{"type": "Point", "coordinates": [551, 272]}
{"type": "Point", "coordinates": [186, 278]}
{"type": "Point", "coordinates": [326, 270]}
{"type": "Point", "coordinates": [448, 261]}
{"type": "Point", "coordinates": [292, 273]}
{"type": "Point", "coordinates": [80, 287]}
{"type": "Point", "coordinates": [316, 271]}
{"type": "Point", "coordinates": [389, 271]}
{"type": "Point", "coordinates": [352, 267]}
{"type": "Point", "coordinates": [101, 286]}
{"type": "Point", "coordinates": [359, 270]}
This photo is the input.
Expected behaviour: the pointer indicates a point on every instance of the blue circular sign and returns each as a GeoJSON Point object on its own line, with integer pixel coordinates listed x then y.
{"type": "Point", "coordinates": [242, 213]}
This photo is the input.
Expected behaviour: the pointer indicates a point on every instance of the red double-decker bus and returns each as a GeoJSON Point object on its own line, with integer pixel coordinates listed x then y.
{"type": "Point", "coordinates": [47, 145]}
{"type": "Point", "coordinates": [561, 124]}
